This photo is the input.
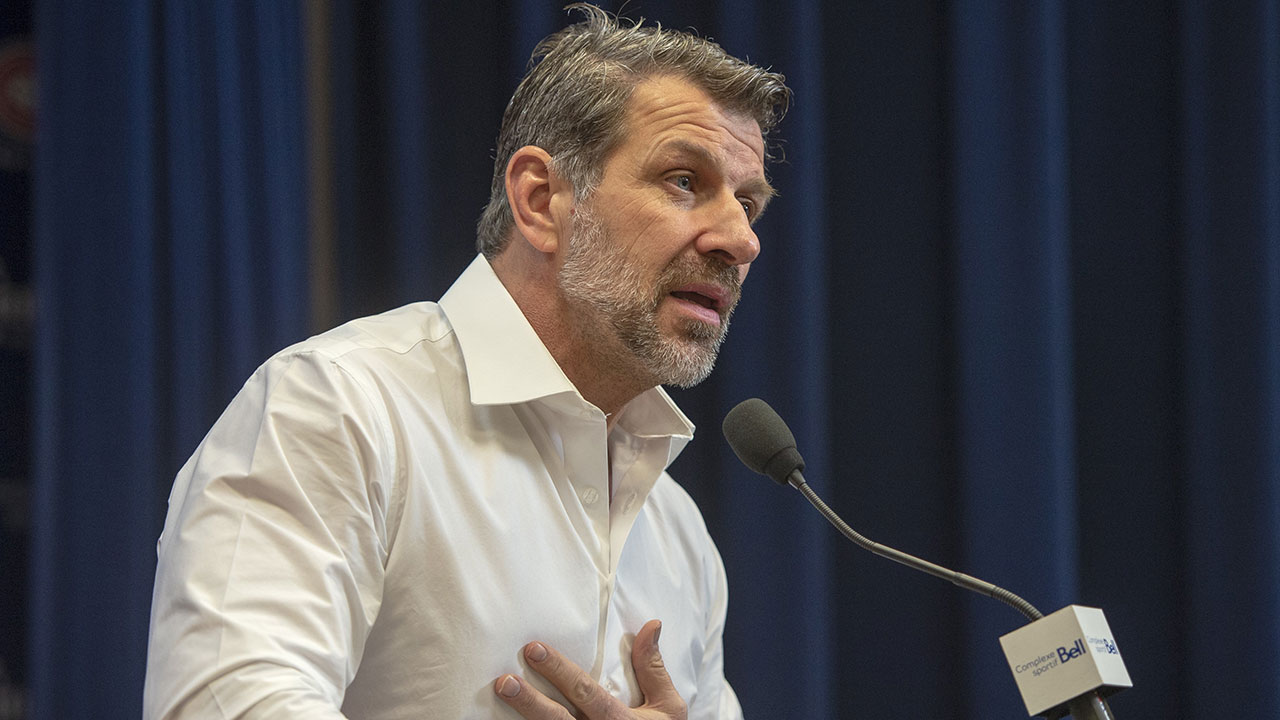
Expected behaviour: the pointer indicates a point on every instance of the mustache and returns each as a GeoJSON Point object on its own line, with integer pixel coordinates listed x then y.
{"type": "Point", "coordinates": [702, 269]}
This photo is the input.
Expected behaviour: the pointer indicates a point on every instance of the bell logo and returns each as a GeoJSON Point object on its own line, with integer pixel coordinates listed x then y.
{"type": "Point", "coordinates": [1066, 655]}
{"type": "Point", "coordinates": [1101, 645]}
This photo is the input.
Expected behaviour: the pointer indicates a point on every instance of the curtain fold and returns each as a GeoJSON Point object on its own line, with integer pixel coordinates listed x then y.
{"type": "Point", "coordinates": [1019, 299]}
{"type": "Point", "coordinates": [1231, 199]}
{"type": "Point", "coordinates": [1015, 419]}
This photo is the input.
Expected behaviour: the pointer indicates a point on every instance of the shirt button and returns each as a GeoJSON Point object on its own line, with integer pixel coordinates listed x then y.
{"type": "Point", "coordinates": [590, 496]}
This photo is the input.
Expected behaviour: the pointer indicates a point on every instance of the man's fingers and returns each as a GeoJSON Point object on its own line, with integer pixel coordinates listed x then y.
{"type": "Point", "coordinates": [585, 694]}
{"type": "Point", "coordinates": [651, 673]}
{"type": "Point", "coordinates": [527, 700]}
{"type": "Point", "coordinates": [572, 681]}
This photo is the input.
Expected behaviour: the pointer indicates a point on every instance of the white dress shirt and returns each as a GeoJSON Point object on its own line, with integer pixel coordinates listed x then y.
{"type": "Point", "coordinates": [388, 512]}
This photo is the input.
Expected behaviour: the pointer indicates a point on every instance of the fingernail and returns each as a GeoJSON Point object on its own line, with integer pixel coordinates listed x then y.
{"type": "Point", "coordinates": [510, 687]}
{"type": "Point", "coordinates": [657, 634]}
{"type": "Point", "coordinates": [536, 652]}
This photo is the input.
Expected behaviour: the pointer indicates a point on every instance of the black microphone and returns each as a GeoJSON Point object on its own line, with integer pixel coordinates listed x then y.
{"type": "Point", "coordinates": [764, 443]}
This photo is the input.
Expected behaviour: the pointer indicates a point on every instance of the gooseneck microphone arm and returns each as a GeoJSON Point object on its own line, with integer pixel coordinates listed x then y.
{"type": "Point", "coordinates": [764, 443]}
{"type": "Point", "coordinates": [968, 582]}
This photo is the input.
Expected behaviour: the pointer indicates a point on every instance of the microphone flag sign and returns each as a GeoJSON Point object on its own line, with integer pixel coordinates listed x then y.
{"type": "Point", "coordinates": [1062, 656]}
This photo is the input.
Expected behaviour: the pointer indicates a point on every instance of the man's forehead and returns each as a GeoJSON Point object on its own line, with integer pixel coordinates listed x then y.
{"type": "Point", "coordinates": [667, 99]}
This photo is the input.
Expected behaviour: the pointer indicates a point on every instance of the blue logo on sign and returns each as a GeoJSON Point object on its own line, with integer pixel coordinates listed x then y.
{"type": "Point", "coordinates": [1076, 650]}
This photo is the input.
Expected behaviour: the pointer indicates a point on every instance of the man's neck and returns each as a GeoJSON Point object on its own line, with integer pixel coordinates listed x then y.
{"type": "Point", "coordinates": [601, 374]}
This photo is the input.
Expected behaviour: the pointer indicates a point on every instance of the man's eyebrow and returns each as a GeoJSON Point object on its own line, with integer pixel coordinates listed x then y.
{"type": "Point", "coordinates": [759, 186]}
{"type": "Point", "coordinates": [762, 189]}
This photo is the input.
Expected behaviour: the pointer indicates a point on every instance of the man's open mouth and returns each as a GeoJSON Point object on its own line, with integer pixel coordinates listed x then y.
{"type": "Point", "coordinates": [712, 297]}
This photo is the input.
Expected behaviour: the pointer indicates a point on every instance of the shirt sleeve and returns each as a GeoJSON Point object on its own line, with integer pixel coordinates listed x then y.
{"type": "Point", "coordinates": [271, 562]}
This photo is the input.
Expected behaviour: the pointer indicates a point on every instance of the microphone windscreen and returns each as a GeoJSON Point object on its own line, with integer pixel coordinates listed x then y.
{"type": "Point", "coordinates": [762, 440]}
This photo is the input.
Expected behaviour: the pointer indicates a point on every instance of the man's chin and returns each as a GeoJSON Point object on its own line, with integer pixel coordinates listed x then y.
{"type": "Point", "coordinates": [690, 378]}
{"type": "Point", "coordinates": [685, 362]}
{"type": "Point", "coordinates": [678, 350]}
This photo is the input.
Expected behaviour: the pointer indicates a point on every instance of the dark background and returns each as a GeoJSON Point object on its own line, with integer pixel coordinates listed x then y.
{"type": "Point", "coordinates": [1019, 300]}
{"type": "Point", "coordinates": [17, 129]}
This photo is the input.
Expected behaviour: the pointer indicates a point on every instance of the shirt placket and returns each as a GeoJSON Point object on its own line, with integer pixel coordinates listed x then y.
{"type": "Point", "coordinates": [586, 464]}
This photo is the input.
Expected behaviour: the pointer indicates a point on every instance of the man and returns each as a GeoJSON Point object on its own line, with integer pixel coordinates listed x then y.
{"type": "Point", "coordinates": [461, 510]}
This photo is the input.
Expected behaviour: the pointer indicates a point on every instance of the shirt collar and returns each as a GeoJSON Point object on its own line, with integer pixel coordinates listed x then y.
{"type": "Point", "coordinates": [507, 363]}
{"type": "Point", "coordinates": [505, 359]}
{"type": "Point", "coordinates": [653, 414]}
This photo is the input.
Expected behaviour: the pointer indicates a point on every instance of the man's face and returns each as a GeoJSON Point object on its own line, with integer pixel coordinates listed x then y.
{"type": "Point", "coordinates": [659, 250]}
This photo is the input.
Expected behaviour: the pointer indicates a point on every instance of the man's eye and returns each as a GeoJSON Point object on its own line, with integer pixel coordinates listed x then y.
{"type": "Point", "coordinates": [748, 207]}
{"type": "Point", "coordinates": [684, 182]}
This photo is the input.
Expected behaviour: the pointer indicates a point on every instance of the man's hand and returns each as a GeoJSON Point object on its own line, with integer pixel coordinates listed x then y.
{"type": "Point", "coordinates": [661, 701]}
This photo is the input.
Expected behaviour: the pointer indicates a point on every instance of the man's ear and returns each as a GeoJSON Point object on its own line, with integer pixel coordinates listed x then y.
{"type": "Point", "coordinates": [540, 199]}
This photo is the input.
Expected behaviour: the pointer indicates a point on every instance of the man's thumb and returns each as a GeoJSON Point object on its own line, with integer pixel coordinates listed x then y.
{"type": "Point", "coordinates": [651, 673]}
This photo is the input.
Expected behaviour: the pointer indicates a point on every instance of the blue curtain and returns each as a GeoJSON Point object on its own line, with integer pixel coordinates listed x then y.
{"type": "Point", "coordinates": [171, 257]}
{"type": "Point", "coordinates": [1019, 300]}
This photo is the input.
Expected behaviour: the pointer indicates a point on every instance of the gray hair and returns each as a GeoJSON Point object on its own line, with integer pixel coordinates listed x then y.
{"type": "Point", "coordinates": [572, 101]}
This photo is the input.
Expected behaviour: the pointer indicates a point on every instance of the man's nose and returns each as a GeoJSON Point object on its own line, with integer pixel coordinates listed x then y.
{"type": "Point", "coordinates": [729, 236]}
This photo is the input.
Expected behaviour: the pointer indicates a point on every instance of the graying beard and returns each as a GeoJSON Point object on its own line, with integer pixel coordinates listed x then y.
{"type": "Point", "coordinates": [592, 274]}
